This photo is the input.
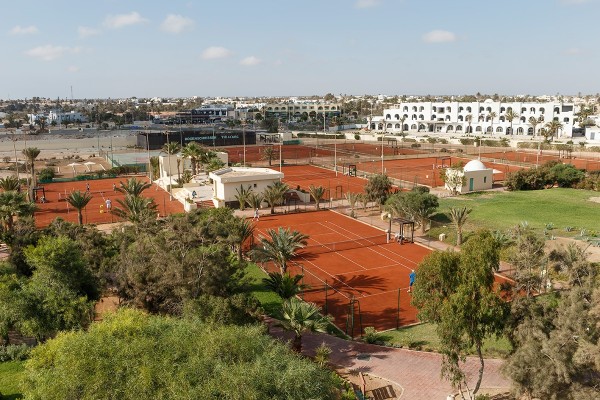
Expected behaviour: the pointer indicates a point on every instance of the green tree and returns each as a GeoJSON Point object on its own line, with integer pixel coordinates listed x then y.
{"type": "Point", "coordinates": [79, 200]}
{"type": "Point", "coordinates": [552, 127]}
{"type": "Point", "coordinates": [133, 187]}
{"type": "Point", "coordinates": [352, 198]}
{"type": "Point", "coordinates": [194, 152]}
{"type": "Point", "coordinates": [459, 216]}
{"type": "Point", "coordinates": [279, 246]}
{"type": "Point", "coordinates": [14, 204]}
{"type": "Point", "coordinates": [317, 193]}
{"type": "Point", "coordinates": [271, 124]}
{"type": "Point", "coordinates": [300, 317]}
{"type": "Point", "coordinates": [491, 117]}
{"type": "Point", "coordinates": [172, 358]}
{"type": "Point", "coordinates": [510, 117]}
{"type": "Point", "coordinates": [285, 285]}
{"type": "Point", "coordinates": [136, 209]}
{"type": "Point", "coordinates": [269, 154]}
{"type": "Point", "coordinates": [241, 231]}
{"type": "Point", "coordinates": [456, 291]}
{"type": "Point", "coordinates": [533, 121]}
{"type": "Point", "coordinates": [274, 194]}
{"type": "Point", "coordinates": [31, 153]}
{"type": "Point", "coordinates": [378, 188]}
{"type": "Point", "coordinates": [415, 205]}
{"type": "Point", "coordinates": [528, 258]}
{"type": "Point", "coordinates": [242, 196]}
{"type": "Point", "coordinates": [254, 200]}
{"type": "Point", "coordinates": [9, 183]}
{"type": "Point", "coordinates": [454, 178]}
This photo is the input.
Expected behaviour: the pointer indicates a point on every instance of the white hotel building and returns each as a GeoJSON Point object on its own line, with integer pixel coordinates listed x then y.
{"type": "Point", "coordinates": [487, 117]}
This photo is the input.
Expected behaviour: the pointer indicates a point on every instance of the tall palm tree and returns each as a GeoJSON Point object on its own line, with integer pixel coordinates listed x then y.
{"type": "Point", "coordinates": [133, 187]}
{"type": "Point", "coordinates": [491, 116]}
{"type": "Point", "coordinates": [242, 196]}
{"type": "Point", "coordinates": [300, 317]}
{"type": "Point", "coordinates": [279, 246]}
{"type": "Point", "coordinates": [194, 152]}
{"type": "Point", "coordinates": [317, 193]}
{"type": "Point", "coordinates": [274, 194]}
{"type": "Point", "coordinates": [402, 119]}
{"type": "Point", "coordinates": [459, 216]}
{"type": "Point", "coordinates": [284, 285]}
{"type": "Point", "coordinates": [79, 200]}
{"type": "Point", "coordinates": [14, 204]}
{"type": "Point", "coordinates": [552, 127]}
{"type": "Point", "coordinates": [533, 121]}
{"type": "Point", "coordinates": [9, 183]}
{"type": "Point", "coordinates": [511, 116]}
{"type": "Point", "coordinates": [135, 208]}
{"type": "Point", "coordinates": [31, 153]}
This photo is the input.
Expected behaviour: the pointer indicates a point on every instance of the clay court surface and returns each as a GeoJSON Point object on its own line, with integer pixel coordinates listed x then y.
{"type": "Point", "coordinates": [389, 149]}
{"type": "Point", "coordinates": [336, 186]}
{"type": "Point", "coordinates": [373, 275]}
{"type": "Point", "coordinates": [289, 153]}
{"type": "Point", "coordinates": [95, 212]}
{"type": "Point", "coordinates": [531, 157]}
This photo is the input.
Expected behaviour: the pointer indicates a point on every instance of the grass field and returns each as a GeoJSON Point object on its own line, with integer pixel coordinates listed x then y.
{"type": "Point", "coordinates": [502, 210]}
{"type": "Point", "coordinates": [11, 374]}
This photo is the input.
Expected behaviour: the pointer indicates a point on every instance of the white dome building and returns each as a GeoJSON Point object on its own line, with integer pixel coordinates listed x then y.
{"type": "Point", "coordinates": [473, 177]}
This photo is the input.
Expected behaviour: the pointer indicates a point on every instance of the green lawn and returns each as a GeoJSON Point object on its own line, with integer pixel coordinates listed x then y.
{"type": "Point", "coordinates": [11, 374]}
{"type": "Point", "coordinates": [269, 301]}
{"type": "Point", "coordinates": [424, 337]}
{"type": "Point", "coordinates": [502, 210]}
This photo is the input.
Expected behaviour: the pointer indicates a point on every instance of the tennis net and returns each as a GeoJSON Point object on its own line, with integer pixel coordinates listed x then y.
{"type": "Point", "coordinates": [345, 245]}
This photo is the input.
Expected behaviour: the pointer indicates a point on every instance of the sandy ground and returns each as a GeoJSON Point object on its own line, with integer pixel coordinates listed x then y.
{"type": "Point", "coordinates": [592, 251]}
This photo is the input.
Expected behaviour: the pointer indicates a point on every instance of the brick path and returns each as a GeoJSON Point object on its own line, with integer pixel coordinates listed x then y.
{"type": "Point", "coordinates": [417, 372]}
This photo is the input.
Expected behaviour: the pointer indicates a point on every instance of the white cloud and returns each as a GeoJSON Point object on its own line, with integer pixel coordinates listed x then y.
{"type": "Point", "coordinates": [439, 36]}
{"type": "Point", "coordinates": [366, 3]}
{"type": "Point", "coordinates": [121, 20]}
{"type": "Point", "coordinates": [23, 30]}
{"type": "Point", "coordinates": [176, 23]}
{"type": "Point", "coordinates": [73, 68]}
{"type": "Point", "coordinates": [50, 52]}
{"type": "Point", "coordinates": [85, 31]}
{"type": "Point", "coordinates": [250, 61]}
{"type": "Point", "coordinates": [215, 52]}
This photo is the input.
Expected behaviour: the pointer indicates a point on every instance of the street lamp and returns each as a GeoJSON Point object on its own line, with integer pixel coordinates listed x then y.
{"type": "Point", "coordinates": [244, 140]}
{"type": "Point", "coordinates": [148, 152]}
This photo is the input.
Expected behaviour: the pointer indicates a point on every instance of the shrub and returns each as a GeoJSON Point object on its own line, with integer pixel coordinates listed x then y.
{"type": "Point", "coordinates": [46, 175]}
{"type": "Point", "coordinates": [371, 336]}
{"type": "Point", "coordinates": [415, 145]}
{"type": "Point", "coordinates": [356, 136]}
{"type": "Point", "coordinates": [14, 352]}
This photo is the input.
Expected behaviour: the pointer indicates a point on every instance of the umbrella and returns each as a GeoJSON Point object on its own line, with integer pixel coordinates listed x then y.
{"type": "Point", "coordinates": [73, 165]}
{"type": "Point", "coordinates": [88, 164]}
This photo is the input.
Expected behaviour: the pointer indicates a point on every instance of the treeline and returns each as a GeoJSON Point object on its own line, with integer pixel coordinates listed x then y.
{"type": "Point", "coordinates": [552, 173]}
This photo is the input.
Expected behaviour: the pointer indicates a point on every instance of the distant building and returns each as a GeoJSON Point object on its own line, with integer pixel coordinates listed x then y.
{"type": "Point", "coordinates": [205, 114]}
{"type": "Point", "coordinates": [207, 137]}
{"type": "Point", "coordinates": [488, 117]}
{"type": "Point", "coordinates": [297, 110]}
{"type": "Point", "coordinates": [227, 180]}
{"type": "Point", "coordinates": [59, 117]}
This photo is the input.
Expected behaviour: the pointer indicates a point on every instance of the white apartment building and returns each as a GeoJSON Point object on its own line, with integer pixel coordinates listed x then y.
{"type": "Point", "coordinates": [58, 116]}
{"type": "Point", "coordinates": [487, 117]}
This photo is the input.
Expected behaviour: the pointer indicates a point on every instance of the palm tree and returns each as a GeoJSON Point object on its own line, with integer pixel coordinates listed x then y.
{"type": "Point", "coordinates": [300, 317]}
{"type": "Point", "coordinates": [533, 121]}
{"type": "Point", "coordinates": [552, 127]}
{"type": "Point", "coordinates": [194, 152]}
{"type": "Point", "coordinates": [469, 119]}
{"type": "Point", "coordinates": [254, 200]}
{"type": "Point", "coordinates": [317, 193]}
{"type": "Point", "coordinates": [402, 119]}
{"type": "Point", "coordinates": [459, 216]}
{"type": "Point", "coordinates": [154, 165]}
{"type": "Point", "coordinates": [269, 154]}
{"type": "Point", "coordinates": [280, 246]}
{"type": "Point", "coordinates": [14, 204]}
{"type": "Point", "coordinates": [242, 196]}
{"type": "Point", "coordinates": [284, 285]}
{"type": "Point", "coordinates": [79, 200]}
{"type": "Point", "coordinates": [491, 116]}
{"type": "Point", "coordinates": [135, 208]}
{"type": "Point", "coordinates": [242, 230]}
{"type": "Point", "coordinates": [274, 194]}
{"type": "Point", "coordinates": [9, 183]}
{"type": "Point", "coordinates": [31, 154]}
{"type": "Point", "coordinates": [511, 116]}
{"type": "Point", "coordinates": [352, 198]}
{"type": "Point", "coordinates": [133, 187]}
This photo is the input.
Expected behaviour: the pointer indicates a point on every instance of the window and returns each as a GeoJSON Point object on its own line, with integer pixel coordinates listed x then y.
{"type": "Point", "coordinates": [485, 179]}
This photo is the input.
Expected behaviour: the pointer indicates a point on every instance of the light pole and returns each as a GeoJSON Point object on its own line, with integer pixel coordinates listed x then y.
{"type": "Point", "coordinates": [150, 174]}
{"type": "Point", "coordinates": [16, 159]}
{"type": "Point", "coordinates": [382, 138]}
{"type": "Point", "coordinates": [244, 140]}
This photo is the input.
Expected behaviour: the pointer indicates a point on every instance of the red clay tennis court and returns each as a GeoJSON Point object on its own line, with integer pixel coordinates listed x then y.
{"type": "Point", "coordinates": [532, 157]}
{"type": "Point", "coordinates": [336, 186]}
{"type": "Point", "coordinates": [255, 153]}
{"type": "Point", "coordinates": [95, 212]}
{"type": "Point", "coordinates": [354, 274]}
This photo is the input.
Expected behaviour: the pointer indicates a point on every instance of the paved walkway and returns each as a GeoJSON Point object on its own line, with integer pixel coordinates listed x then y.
{"type": "Point", "coordinates": [416, 372]}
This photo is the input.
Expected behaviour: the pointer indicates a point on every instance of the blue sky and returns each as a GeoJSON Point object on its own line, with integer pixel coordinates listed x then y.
{"type": "Point", "coordinates": [147, 48]}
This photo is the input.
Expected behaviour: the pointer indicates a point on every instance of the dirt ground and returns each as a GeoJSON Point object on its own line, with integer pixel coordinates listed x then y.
{"type": "Point", "coordinates": [592, 251]}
